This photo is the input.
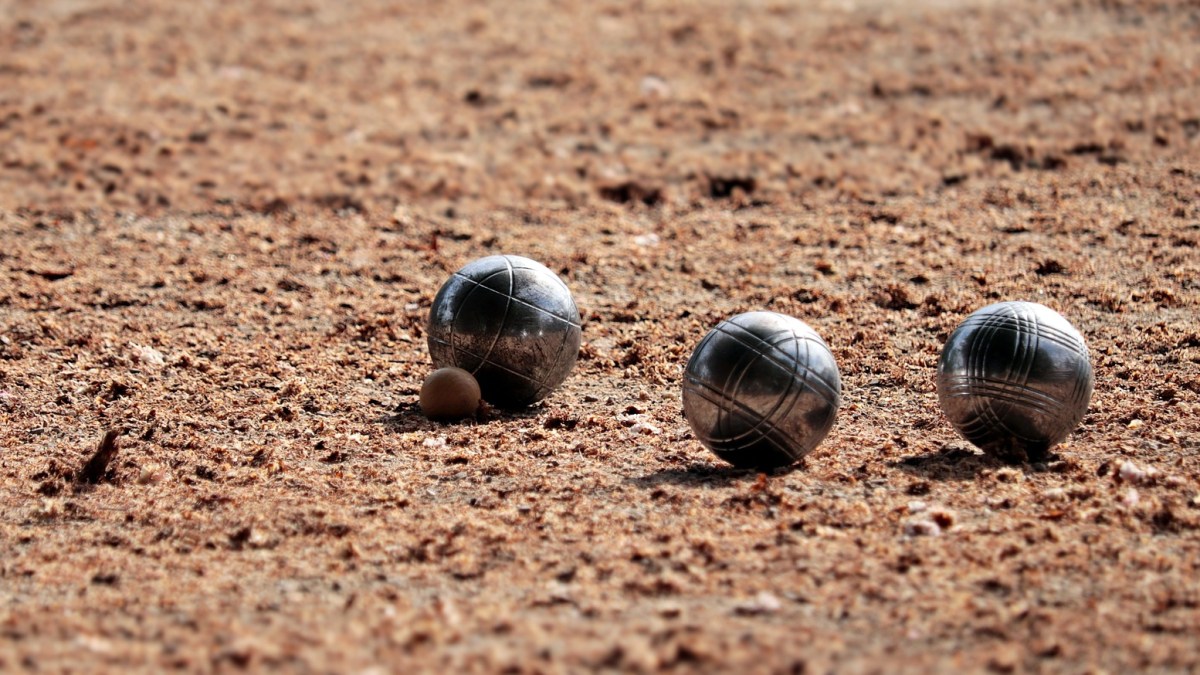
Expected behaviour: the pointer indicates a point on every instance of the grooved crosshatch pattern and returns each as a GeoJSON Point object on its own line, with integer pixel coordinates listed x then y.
{"type": "Point", "coordinates": [770, 385]}
{"type": "Point", "coordinates": [510, 322]}
{"type": "Point", "coordinates": [1015, 377]}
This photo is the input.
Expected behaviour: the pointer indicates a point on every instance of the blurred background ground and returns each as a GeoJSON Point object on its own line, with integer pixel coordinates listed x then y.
{"type": "Point", "coordinates": [223, 225]}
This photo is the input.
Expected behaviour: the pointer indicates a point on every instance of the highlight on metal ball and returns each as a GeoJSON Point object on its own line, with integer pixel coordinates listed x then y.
{"type": "Point", "coordinates": [1015, 379]}
{"type": "Point", "coordinates": [511, 323]}
{"type": "Point", "coordinates": [761, 390]}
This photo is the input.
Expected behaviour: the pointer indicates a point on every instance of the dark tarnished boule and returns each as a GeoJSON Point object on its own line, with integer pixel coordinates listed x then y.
{"type": "Point", "coordinates": [1014, 379]}
{"type": "Point", "coordinates": [761, 390]}
{"type": "Point", "coordinates": [511, 323]}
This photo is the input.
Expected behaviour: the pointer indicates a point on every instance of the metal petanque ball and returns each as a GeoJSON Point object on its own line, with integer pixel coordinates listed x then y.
{"type": "Point", "coordinates": [1014, 379]}
{"type": "Point", "coordinates": [761, 390]}
{"type": "Point", "coordinates": [510, 322]}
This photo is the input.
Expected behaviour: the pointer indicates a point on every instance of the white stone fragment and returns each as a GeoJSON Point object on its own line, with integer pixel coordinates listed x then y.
{"type": "Point", "coordinates": [1132, 473]}
{"type": "Point", "coordinates": [763, 603]}
{"type": "Point", "coordinates": [644, 429]}
{"type": "Point", "coordinates": [653, 85]}
{"type": "Point", "coordinates": [922, 527]}
{"type": "Point", "coordinates": [145, 355]}
{"type": "Point", "coordinates": [1055, 494]}
{"type": "Point", "coordinates": [645, 240]}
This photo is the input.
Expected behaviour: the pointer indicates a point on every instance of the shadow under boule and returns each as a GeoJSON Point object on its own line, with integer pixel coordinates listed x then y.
{"type": "Point", "coordinates": [953, 461]}
{"type": "Point", "coordinates": [407, 417]}
{"type": "Point", "coordinates": [707, 475]}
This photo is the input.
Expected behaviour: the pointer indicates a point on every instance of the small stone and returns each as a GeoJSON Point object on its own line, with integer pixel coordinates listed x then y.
{"type": "Point", "coordinates": [646, 240]}
{"type": "Point", "coordinates": [94, 644]}
{"type": "Point", "coordinates": [1134, 474]}
{"type": "Point", "coordinates": [655, 86]}
{"type": "Point", "coordinates": [922, 527]}
{"type": "Point", "coordinates": [49, 508]}
{"type": "Point", "coordinates": [1129, 472]}
{"type": "Point", "coordinates": [1056, 494]}
{"type": "Point", "coordinates": [1009, 475]}
{"type": "Point", "coordinates": [151, 473]}
{"type": "Point", "coordinates": [644, 429]}
{"type": "Point", "coordinates": [148, 356]}
{"type": "Point", "coordinates": [763, 603]}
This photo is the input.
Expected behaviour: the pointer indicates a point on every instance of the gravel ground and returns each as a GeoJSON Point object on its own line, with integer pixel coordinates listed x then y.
{"type": "Point", "coordinates": [223, 226]}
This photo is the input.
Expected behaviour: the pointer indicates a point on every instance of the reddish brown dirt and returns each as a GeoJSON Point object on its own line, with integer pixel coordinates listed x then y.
{"type": "Point", "coordinates": [223, 225]}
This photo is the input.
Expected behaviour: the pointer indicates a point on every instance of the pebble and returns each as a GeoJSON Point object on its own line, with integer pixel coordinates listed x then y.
{"type": "Point", "coordinates": [147, 355]}
{"type": "Point", "coordinates": [763, 603]}
{"type": "Point", "coordinates": [644, 429]}
{"type": "Point", "coordinates": [1132, 473]}
{"type": "Point", "coordinates": [922, 527]}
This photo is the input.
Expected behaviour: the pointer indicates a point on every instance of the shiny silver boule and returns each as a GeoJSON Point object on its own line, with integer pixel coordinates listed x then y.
{"type": "Point", "coordinates": [510, 322]}
{"type": "Point", "coordinates": [761, 390]}
{"type": "Point", "coordinates": [1014, 379]}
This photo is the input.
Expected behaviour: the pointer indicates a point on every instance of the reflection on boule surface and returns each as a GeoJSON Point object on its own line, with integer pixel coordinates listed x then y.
{"type": "Point", "coordinates": [510, 322]}
{"type": "Point", "coordinates": [761, 390]}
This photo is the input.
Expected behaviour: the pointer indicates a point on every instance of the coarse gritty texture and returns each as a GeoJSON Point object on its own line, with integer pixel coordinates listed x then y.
{"type": "Point", "coordinates": [223, 224]}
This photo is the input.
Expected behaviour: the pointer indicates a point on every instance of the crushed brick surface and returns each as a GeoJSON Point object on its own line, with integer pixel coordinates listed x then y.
{"type": "Point", "coordinates": [222, 225]}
